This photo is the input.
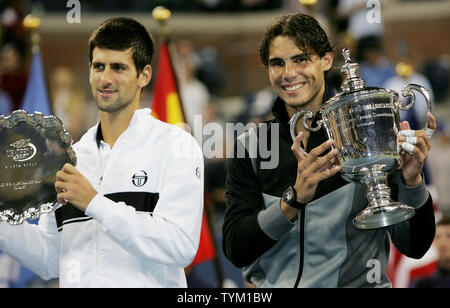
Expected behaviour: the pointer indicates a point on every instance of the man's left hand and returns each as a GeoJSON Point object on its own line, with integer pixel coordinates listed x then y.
{"type": "Point", "coordinates": [415, 146]}
{"type": "Point", "coordinates": [71, 186]}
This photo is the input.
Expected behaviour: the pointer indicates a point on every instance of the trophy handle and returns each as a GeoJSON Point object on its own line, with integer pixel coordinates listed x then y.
{"type": "Point", "coordinates": [306, 114]}
{"type": "Point", "coordinates": [407, 92]}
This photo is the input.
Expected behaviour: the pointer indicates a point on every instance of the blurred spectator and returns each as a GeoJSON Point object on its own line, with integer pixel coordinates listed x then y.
{"type": "Point", "coordinates": [258, 106]}
{"type": "Point", "coordinates": [11, 16]}
{"type": "Point", "coordinates": [364, 22]}
{"type": "Point", "coordinates": [438, 73]}
{"type": "Point", "coordinates": [194, 94]}
{"type": "Point", "coordinates": [13, 76]}
{"type": "Point", "coordinates": [416, 116]}
{"type": "Point", "coordinates": [438, 162]}
{"type": "Point", "coordinates": [5, 103]}
{"type": "Point", "coordinates": [68, 101]}
{"type": "Point", "coordinates": [441, 278]}
{"type": "Point", "coordinates": [375, 68]}
{"type": "Point", "coordinates": [210, 70]}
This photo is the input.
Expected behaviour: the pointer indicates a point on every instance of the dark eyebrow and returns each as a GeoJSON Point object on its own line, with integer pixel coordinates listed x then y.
{"type": "Point", "coordinates": [114, 64]}
{"type": "Point", "coordinates": [301, 56]}
{"type": "Point", "coordinates": [275, 59]}
{"type": "Point", "coordinates": [119, 64]}
{"type": "Point", "coordinates": [298, 56]}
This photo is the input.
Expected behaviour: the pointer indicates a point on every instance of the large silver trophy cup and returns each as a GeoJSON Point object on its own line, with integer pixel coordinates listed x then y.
{"type": "Point", "coordinates": [364, 123]}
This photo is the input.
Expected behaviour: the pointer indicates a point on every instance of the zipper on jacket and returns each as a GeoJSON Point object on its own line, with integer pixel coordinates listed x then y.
{"type": "Point", "coordinates": [302, 247]}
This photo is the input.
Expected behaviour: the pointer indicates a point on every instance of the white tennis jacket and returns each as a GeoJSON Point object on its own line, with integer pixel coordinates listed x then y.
{"type": "Point", "coordinates": [143, 226]}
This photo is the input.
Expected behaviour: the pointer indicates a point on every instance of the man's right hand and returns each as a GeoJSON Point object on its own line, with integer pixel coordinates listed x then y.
{"type": "Point", "coordinates": [313, 168]}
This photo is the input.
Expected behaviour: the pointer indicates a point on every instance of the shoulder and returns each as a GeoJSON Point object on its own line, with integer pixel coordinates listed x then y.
{"type": "Point", "coordinates": [174, 139]}
{"type": "Point", "coordinates": [87, 139]}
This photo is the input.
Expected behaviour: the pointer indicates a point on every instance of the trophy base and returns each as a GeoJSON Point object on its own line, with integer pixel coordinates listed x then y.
{"type": "Point", "coordinates": [382, 211]}
{"type": "Point", "coordinates": [383, 216]}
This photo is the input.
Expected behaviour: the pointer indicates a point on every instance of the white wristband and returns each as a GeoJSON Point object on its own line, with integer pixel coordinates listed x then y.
{"type": "Point", "coordinates": [407, 147]}
{"type": "Point", "coordinates": [407, 133]}
{"type": "Point", "coordinates": [429, 132]}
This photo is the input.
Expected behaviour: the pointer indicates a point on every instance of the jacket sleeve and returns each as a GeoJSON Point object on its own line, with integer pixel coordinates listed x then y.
{"type": "Point", "coordinates": [36, 247]}
{"type": "Point", "coordinates": [171, 234]}
{"type": "Point", "coordinates": [414, 237]}
{"type": "Point", "coordinates": [243, 238]}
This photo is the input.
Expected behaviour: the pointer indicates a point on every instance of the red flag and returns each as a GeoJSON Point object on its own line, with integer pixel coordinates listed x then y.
{"type": "Point", "coordinates": [206, 250]}
{"type": "Point", "coordinates": [402, 270]}
{"type": "Point", "coordinates": [166, 102]}
{"type": "Point", "coordinates": [167, 107]}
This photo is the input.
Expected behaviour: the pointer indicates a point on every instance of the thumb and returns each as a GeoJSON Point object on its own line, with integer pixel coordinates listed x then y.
{"type": "Point", "coordinates": [405, 125]}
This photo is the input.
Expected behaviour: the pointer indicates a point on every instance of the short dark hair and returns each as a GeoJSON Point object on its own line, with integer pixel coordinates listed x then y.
{"type": "Point", "coordinates": [121, 34]}
{"type": "Point", "coordinates": [303, 29]}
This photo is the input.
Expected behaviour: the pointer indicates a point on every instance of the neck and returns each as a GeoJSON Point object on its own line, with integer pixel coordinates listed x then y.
{"type": "Point", "coordinates": [115, 123]}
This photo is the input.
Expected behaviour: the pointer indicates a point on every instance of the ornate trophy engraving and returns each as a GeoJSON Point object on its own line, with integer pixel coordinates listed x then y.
{"type": "Point", "coordinates": [33, 148]}
{"type": "Point", "coordinates": [363, 122]}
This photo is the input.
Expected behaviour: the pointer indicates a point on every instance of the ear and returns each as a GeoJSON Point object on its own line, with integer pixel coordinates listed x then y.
{"type": "Point", "coordinates": [327, 61]}
{"type": "Point", "coordinates": [145, 76]}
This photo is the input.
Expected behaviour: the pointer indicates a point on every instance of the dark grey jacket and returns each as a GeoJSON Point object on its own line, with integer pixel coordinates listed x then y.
{"type": "Point", "coordinates": [321, 248]}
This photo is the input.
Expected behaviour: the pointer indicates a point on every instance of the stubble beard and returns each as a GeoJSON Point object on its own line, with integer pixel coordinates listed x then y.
{"type": "Point", "coordinates": [112, 106]}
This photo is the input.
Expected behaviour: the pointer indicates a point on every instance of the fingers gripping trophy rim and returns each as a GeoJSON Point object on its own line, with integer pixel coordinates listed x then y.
{"type": "Point", "coordinates": [411, 139]}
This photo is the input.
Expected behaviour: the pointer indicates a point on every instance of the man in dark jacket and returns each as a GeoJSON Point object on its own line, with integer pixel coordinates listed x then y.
{"type": "Point", "coordinates": [311, 242]}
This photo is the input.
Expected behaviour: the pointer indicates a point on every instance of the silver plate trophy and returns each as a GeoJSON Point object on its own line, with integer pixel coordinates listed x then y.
{"type": "Point", "coordinates": [33, 148]}
{"type": "Point", "coordinates": [364, 123]}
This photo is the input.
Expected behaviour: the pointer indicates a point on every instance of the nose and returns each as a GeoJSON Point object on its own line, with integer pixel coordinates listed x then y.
{"type": "Point", "coordinates": [106, 77]}
{"type": "Point", "coordinates": [289, 70]}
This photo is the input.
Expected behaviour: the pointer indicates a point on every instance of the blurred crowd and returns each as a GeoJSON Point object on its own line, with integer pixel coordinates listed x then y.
{"type": "Point", "coordinates": [174, 5]}
{"type": "Point", "coordinates": [202, 76]}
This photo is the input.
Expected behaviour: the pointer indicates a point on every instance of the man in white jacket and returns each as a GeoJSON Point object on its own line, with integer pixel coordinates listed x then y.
{"type": "Point", "coordinates": [132, 207]}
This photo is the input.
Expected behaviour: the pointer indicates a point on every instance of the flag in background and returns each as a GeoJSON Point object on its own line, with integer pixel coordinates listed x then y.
{"type": "Point", "coordinates": [167, 107]}
{"type": "Point", "coordinates": [206, 250]}
{"type": "Point", "coordinates": [166, 101]}
{"type": "Point", "coordinates": [35, 97]}
{"type": "Point", "coordinates": [402, 271]}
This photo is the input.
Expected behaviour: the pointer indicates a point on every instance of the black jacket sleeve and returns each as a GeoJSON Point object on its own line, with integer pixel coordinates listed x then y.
{"type": "Point", "coordinates": [243, 239]}
{"type": "Point", "coordinates": [414, 237]}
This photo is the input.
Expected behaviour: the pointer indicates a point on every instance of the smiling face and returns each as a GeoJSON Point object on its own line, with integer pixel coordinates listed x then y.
{"type": "Point", "coordinates": [115, 83]}
{"type": "Point", "coordinates": [297, 78]}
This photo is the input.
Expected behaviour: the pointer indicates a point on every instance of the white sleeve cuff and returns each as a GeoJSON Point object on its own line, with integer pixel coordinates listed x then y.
{"type": "Point", "coordinates": [99, 208]}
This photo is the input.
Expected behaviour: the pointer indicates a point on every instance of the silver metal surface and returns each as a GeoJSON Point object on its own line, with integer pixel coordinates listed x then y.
{"type": "Point", "coordinates": [33, 148]}
{"type": "Point", "coordinates": [364, 125]}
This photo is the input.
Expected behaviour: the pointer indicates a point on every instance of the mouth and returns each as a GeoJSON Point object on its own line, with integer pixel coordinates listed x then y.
{"type": "Point", "coordinates": [293, 88]}
{"type": "Point", "coordinates": [107, 92]}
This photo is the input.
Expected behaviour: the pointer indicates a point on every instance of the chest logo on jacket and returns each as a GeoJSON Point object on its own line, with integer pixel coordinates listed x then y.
{"type": "Point", "coordinates": [140, 178]}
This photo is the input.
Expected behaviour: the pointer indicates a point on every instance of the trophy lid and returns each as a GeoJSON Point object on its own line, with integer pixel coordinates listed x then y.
{"type": "Point", "coordinates": [353, 87]}
{"type": "Point", "coordinates": [352, 81]}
